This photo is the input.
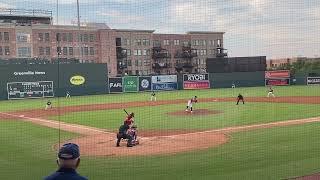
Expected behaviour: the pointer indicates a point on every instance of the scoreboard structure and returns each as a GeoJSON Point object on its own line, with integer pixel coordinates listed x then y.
{"type": "Point", "coordinates": [23, 90]}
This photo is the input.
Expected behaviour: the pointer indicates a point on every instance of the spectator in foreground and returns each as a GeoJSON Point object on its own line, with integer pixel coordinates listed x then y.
{"type": "Point", "coordinates": [68, 161]}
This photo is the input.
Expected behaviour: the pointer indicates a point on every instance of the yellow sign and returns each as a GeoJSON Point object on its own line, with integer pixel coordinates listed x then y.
{"type": "Point", "coordinates": [77, 80]}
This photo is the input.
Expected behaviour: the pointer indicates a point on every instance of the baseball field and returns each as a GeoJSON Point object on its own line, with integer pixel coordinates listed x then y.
{"type": "Point", "coordinates": [265, 138]}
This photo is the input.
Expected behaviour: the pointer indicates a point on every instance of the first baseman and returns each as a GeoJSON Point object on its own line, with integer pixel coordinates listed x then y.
{"type": "Point", "coordinates": [190, 102]}
{"type": "Point", "coordinates": [240, 98]}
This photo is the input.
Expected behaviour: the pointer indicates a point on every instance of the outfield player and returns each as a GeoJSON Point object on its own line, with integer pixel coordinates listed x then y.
{"type": "Point", "coordinates": [48, 105]}
{"type": "Point", "coordinates": [240, 98]}
{"type": "Point", "coordinates": [271, 92]}
{"type": "Point", "coordinates": [190, 102]}
{"type": "Point", "coordinates": [153, 96]}
{"type": "Point", "coordinates": [68, 94]}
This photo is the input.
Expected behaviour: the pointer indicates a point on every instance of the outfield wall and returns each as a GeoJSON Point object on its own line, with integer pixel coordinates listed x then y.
{"type": "Point", "coordinates": [240, 79]}
{"type": "Point", "coordinates": [78, 79]}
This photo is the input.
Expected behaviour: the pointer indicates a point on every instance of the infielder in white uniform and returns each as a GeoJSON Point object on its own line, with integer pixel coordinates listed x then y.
{"type": "Point", "coordinates": [190, 102]}
{"type": "Point", "coordinates": [270, 93]}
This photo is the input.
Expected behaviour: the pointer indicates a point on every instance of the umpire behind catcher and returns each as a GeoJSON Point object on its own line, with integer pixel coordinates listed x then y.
{"type": "Point", "coordinates": [68, 161]}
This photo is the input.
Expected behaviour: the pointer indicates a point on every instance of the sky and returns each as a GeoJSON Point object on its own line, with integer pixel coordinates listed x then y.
{"type": "Point", "coordinates": [272, 28]}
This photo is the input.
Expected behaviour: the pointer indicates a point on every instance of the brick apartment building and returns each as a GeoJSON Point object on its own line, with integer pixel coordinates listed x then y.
{"type": "Point", "coordinates": [283, 62]}
{"type": "Point", "coordinates": [31, 34]}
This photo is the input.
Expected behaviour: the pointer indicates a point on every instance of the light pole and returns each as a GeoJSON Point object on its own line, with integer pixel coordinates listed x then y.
{"type": "Point", "coordinates": [78, 16]}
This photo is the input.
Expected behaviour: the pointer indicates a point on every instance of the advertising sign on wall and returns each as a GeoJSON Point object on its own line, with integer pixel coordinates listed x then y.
{"type": "Point", "coordinates": [196, 81]}
{"type": "Point", "coordinates": [277, 74]}
{"type": "Point", "coordinates": [277, 82]}
{"type": "Point", "coordinates": [145, 83]}
{"type": "Point", "coordinates": [115, 85]}
{"type": "Point", "coordinates": [130, 84]}
{"type": "Point", "coordinates": [313, 80]}
{"type": "Point", "coordinates": [164, 82]}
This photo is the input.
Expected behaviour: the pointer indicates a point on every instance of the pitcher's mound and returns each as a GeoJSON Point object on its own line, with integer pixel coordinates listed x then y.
{"type": "Point", "coordinates": [197, 112]}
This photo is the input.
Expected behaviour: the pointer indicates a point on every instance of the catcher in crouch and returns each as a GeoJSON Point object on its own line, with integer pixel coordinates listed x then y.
{"type": "Point", "coordinates": [190, 102]}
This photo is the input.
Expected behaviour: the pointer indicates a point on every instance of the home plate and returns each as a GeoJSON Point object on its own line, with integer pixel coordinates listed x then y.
{"type": "Point", "coordinates": [215, 100]}
{"type": "Point", "coordinates": [21, 116]}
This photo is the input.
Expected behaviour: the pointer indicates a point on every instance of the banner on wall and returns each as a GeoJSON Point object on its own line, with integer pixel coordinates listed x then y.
{"type": "Point", "coordinates": [277, 74]}
{"type": "Point", "coordinates": [145, 83]}
{"type": "Point", "coordinates": [164, 82]}
{"type": "Point", "coordinates": [196, 81]}
{"type": "Point", "coordinates": [277, 82]}
{"type": "Point", "coordinates": [130, 84]}
{"type": "Point", "coordinates": [313, 80]}
{"type": "Point", "coordinates": [115, 85]}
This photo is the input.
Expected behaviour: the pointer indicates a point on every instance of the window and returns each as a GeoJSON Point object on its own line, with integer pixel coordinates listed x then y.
{"type": "Point", "coordinates": [7, 51]}
{"type": "Point", "coordinates": [129, 62]}
{"type": "Point", "coordinates": [46, 37]}
{"type": "Point", "coordinates": [70, 37]}
{"type": "Point", "coordinates": [85, 38]}
{"type": "Point", "coordinates": [86, 51]}
{"type": "Point", "coordinates": [23, 37]}
{"type": "Point", "coordinates": [41, 51]}
{"type": "Point", "coordinates": [65, 51]}
{"type": "Point", "coordinates": [185, 43]}
{"type": "Point", "coordinates": [128, 52]}
{"type": "Point", "coordinates": [204, 52]}
{"type": "Point", "coordinates": [6, 36]}
{"type": "Point", "coordinates": [176, 42]}
{"type": "Point", "coordinates": [137, 52]}
{"type": "Point", "coordinates": [156, 43]}
{"type": "Point", "coordinates": [219, 42]}
{"type": "Point", "coordinates": [24, 52]}
{"type": "Point", "coordinates": [204, 42]}
{"type": "Point", "coordinates": [64, 37]}
{"type": "Point", "coordinates": [0, 36]}
{"type": "Point", "coordinates": [166, 42]}
{"type": "Point", "coordinates": [136, 62]}
{"type": "Point", "coordinates": [1, 53]}
{"type": "Point", "coordinates": [92, 51]}
{"type": "Point", "coordinates": [70, 51]}
{"type": "Point", "coordinates": [58, 37]}
{"type": "Point", "coordinates": [211, 42]}
{"type": "Point", "coordinates": [146, 42]}
{"type": "Point", "coordinates": [144, 52]}
{"type": "Point", "coordinates": [91, 38]}
{"type": "Point", "coordinates": [40, 35]}
{"type": "Point", "coordinates": [138, 42]}
{"type": "Point", "coordinates": [148, 52]}
{"type": "Point", "coordinates": [48, 51]}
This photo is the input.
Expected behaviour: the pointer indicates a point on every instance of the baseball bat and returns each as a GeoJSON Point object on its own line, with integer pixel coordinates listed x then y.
{"type": "Point", "coordinates": [125, 111]}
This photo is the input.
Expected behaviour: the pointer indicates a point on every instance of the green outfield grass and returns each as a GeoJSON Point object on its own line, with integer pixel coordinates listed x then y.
{"type": "Point", "coordinates": [262, 154]}
{"type": "Point", "coordinates": [14, 105]}
{"type": "Point", "coordinates": [156, 117]}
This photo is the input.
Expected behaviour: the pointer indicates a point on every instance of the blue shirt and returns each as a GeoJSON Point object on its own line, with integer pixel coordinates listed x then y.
{"type": "Point", "coordinates": [65, 174]}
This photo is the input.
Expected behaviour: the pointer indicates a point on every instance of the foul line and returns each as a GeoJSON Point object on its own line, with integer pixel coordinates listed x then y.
{"type": "Point", "coordinates": [57, 123]}
{"type": "Point", "coordinates": [222, 130]}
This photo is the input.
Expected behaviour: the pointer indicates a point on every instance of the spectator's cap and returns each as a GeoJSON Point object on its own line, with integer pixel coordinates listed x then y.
{"type": "Point", "coordinates": [69, 151]}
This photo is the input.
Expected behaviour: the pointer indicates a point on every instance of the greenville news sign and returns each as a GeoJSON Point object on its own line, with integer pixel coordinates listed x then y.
{"type": "Point", "coordinates": [196, 81]}
{"type": "Point", "coordinates": [313, 81]}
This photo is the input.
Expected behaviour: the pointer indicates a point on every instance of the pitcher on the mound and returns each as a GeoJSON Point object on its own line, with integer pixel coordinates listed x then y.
{"type": "Point", "coordinates": [271, 92]}
{"type": "Point", "coordinates": [190, 102]}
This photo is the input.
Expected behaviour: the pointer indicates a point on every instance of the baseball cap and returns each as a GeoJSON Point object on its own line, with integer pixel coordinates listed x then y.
{"type": "Point", "coordinates": [69, 151]}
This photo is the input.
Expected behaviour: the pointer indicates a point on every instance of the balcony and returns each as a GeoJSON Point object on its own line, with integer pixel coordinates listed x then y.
{"type": "Point", "coordinates": [181, 65]}
{"type": "Point", "coordinates": [121, 53]}
{"type": "Point", "coordinates": [121, 65]}
{"type": "Point", "coordinates": [185, 54]}
{"type": "Point", "coordinates": [160, 65]}
{"type": "Point", "coordinates": [160, 53]}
